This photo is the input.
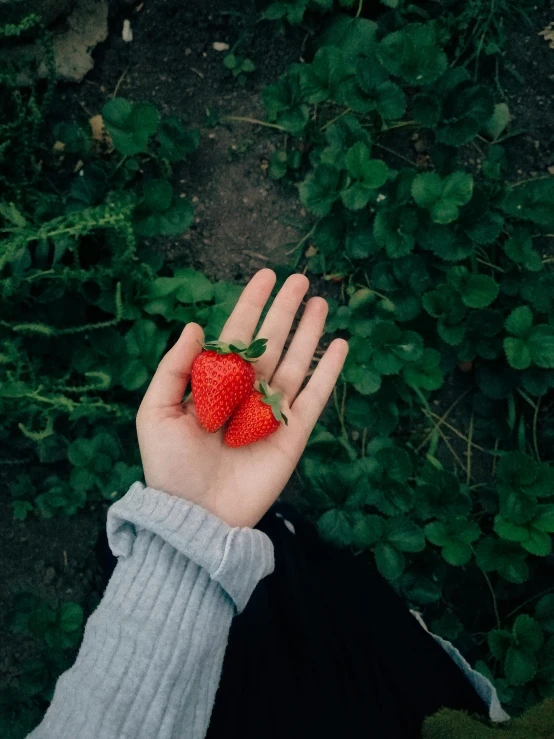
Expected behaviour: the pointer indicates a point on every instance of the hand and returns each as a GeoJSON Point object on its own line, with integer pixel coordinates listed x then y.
{"type": "Point", "coordinates": [181, 458]}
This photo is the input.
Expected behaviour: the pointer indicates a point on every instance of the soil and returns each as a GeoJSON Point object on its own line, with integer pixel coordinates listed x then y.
{"type": "Point", "coordinates": [243, 219]}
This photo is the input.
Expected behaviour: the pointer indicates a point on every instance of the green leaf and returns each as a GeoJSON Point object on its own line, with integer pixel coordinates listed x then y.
{"type": "Point", "coordinates": [80, 452]}
{"type": "Point", "coordinates": [532, 201]}
{"type": "Point", "coordinates": [157, 195]}
{"type": "Point", "coordinates": [456, 553]}
{"type": "Point", "coordinates": [335, 527]}
{"type": "Point", "coordinates": [445, 211]}
{"type": "Point", "coordinates": [320, 80]}
{"type": "Point", "coordinates": [499, 641]}
{"type": "Point", "coordinates": [426, 110]}
{"type": "Point", "coordinates": [320, 189]}
{"type": "Point", "coordinates": [479, 291]}
{"type": "Point", "coordinates": [176, 142]}
{"type": "Point", "coordinates": [427, 189]}
{"type": "Point", "coordinates": [390, 101]}
{"type": "Point", "coordinates": [498, 121]}
{"type": "Point", "coordinates": [368, 531]}
{"type": "Point", "coordinates": [70, 617]}
{"type": "Point", "coordinates": [520, 666]}
{"type": "Point", "coordinates": [284, 104]}
{"type": "Point", "coordinates": [458, 188]}
{"type": "Point", "coordinates": [20, 509]}
{"type": "Point", "coordinates": [390, 562]}
{"type": "Point", "coordinates": [544, 520]}
{"type": "Point", "coordinates": [425, 373]}
{"type": "Point", "coordinates": [413, 54]}
{"type": "Point", "coordinates": [394, 230]}
{"type": "Point", "coordinates": [130, 126]}
{"type": "Point", "coordinates": [544, 613]}
{"type": "Point", "coordinates": [356, 196]}
{"type": "Point", "coordinates": [510, 531]}
{"type": "Point", "coordinates": [539, 543]}
{"type": "Point", "coordinates": [520, 321]}
{"type": "Point", "coordinates": [192, 286]}
{"type": "Point", "coordinates": [365, 379]}
{"type": "Point", "coordinates": [355, 37]}
{"type": "Point", "coordinates": [117, 112]}
{"type": "Point", "coordinates": [437, 533]}
{"type": "Point", "coordinates": [404, 534]}
{"type": "Point", "coordinates": [540, 342]}
{"type": "Point", "coordinates": [517, 353]}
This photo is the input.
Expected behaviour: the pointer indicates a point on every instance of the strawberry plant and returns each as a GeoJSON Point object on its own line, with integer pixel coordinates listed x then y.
{"type": "Point", "coordinates": [445, 290]}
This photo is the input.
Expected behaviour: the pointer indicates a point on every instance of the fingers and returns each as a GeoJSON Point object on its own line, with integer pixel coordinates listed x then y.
{"type": "Point", "coordinates": [296, 363]}
{"type": "Point", "coordinates": [242, 322]}
{"type": "Point", "coordinates": [277, 324]}
{"type": "Point", "coordinates": [172, 376]}
{"type": "Point", "coordinates": [311, 401]}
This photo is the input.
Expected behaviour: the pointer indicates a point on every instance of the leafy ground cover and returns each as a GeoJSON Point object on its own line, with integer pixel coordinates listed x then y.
{"type": "Point", "coordinates": [396, 145]}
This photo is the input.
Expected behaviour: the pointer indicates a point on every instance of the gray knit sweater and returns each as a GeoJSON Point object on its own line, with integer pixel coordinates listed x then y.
{"type": "Point", "coordinates": [152, 653]}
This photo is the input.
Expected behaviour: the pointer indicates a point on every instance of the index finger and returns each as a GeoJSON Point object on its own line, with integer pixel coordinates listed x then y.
{"type": "Point", "coordinates": [242, 322]}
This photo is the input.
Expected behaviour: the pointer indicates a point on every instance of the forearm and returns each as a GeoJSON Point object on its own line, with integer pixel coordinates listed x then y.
{"type": "Point", "coordinates": [152, 653]}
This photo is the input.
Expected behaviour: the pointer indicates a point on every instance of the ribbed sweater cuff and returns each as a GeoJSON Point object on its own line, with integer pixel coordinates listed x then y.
{"type": "Point", "coordinates": [236, 558]}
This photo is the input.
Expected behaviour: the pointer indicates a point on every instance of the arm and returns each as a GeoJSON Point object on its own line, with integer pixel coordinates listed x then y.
{"type": "Point", "coordinates": [153, 650]}
{"type": "Point", "coordinates": [152, 653]}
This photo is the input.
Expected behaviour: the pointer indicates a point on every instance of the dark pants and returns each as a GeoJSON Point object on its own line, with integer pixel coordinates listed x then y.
{"type": "Point", "coordinates": [326, 649]}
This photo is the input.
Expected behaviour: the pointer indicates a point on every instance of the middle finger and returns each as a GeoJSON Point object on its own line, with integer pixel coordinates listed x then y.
{"type": "Point", "coordinates": [278, 322]}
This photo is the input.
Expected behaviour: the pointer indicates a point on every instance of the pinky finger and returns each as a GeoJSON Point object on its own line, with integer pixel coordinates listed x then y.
{"type": "Point", "coordinates": [309, 405]}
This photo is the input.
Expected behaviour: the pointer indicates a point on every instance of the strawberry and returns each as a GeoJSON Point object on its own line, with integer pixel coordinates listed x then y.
{"type": "Point", "coordinates": [258, 416]}
{"type": "Point", "coordinates": [222, 376]}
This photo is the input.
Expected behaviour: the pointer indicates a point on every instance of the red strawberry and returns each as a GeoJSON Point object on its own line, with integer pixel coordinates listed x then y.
{"type": "Point", "coordinates": [222, 376]}
{"type": "Point", "coordinates": [256, 417]}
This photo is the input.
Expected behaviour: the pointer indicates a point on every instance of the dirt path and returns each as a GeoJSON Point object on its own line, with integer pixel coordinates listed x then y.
{"type": "Point", "coordinates": [240, 212]}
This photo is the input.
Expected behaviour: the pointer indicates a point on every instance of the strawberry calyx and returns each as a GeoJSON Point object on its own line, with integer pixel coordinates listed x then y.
{"type": "Point", "coordinates": [274, 401]}
{"type": "Point", "coordinates": [250, 353]}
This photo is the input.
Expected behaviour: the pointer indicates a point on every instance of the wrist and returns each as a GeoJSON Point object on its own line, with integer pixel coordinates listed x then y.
{"type": "Point", "coordinates": [235, 557]}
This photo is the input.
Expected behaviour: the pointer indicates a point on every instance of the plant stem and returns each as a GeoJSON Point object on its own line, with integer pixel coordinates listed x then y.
{"type": "Point", "coordinates": [494, 459]}
{"type": "Point", "coordinates": [492, 266]}
{"type": "Point", "coordinates": [360, 5]}
{"type": "Point", "coordinates": [330, 123]}
{"type": "Point", "coordinates": [494, 601]}
{"type": "Point", "coordinates": [442, 420]}
{"type": "Point", "coordinates": [402, 124]}
{"type": "Point", "coordinates": [469, 445]}
{"type": "Point", "coordinates": [339, 412]}
{"type": "Point", "coordinates": [429, 413]}
{"type": "Point", "coordinates": [364, 440]}
{"type": "Point", "coordinates": [535, 437]}
{"type": "Point", "coordinates": [531, 179]}
{"type": "Point", "coordinates": [530, 600]}
{"type": "Point", "coordinates": [302, 240]}
{"type": "Point", "coordinates": [255, 121]}
{"type": "Point", "coordinates": [395, 153]}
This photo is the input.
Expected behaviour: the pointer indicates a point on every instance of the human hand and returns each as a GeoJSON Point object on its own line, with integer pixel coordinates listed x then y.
{"type": "Point", "coordinates": [181, 458]}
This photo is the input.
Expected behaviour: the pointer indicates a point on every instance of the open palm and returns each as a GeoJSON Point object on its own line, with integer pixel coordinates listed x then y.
{"type": "Point", "coordinates": [181, 458]}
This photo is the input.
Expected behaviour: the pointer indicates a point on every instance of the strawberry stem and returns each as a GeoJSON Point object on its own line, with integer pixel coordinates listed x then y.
{"type": "Point", "coordinates": [250, 353]}
{"type": "Point", "coordinates": [274, 401]}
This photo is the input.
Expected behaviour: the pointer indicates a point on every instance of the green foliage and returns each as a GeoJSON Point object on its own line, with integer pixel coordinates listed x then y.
{"type": "Point", "coordinates": [443, 267]}
{"type": "Point", "coordinates": [56, 631]}
{"type": "Point", "coordinates": [239, 67]}
{"type": "Point", "coordinates": [534, 723]}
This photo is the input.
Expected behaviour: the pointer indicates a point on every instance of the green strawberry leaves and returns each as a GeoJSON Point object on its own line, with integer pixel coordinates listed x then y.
{"type": "Point", "coordinates": [527, 344]}
{"type": "Point", "coordinates": [130, 126]}
{"type": "Point", "coordinates": [442, 197]}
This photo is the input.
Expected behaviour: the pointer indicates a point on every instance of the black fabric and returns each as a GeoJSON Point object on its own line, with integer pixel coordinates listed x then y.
{"type": "Point", "coordinates": [325, 648]}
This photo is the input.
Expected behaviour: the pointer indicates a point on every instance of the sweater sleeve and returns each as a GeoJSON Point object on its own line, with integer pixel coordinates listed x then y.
{"type": "Point", "coordinates": [152, 652]}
